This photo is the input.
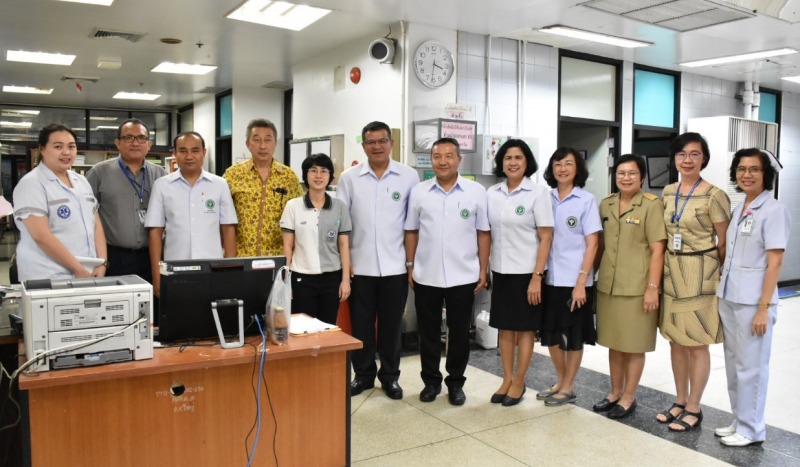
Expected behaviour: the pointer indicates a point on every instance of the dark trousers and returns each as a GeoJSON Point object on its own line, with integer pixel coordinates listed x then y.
{"type": "Point", "coordinates": [428, 301]}
{"type": "Point", "coordinates": [384, 299]}
{"type": "Point", "coordinates": [317, 295]}
{"type": "Point", "coordinates": [124, 261]}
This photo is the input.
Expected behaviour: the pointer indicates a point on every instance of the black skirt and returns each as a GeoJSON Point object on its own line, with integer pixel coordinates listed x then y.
{"type": "Point", "coordinates": [569, 330]}
{"type": "Point", "coordinates": [510, 308]}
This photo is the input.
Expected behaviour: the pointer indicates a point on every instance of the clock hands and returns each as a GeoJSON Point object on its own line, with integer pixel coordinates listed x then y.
{"type": "Point", "coordinates": [437, 66]}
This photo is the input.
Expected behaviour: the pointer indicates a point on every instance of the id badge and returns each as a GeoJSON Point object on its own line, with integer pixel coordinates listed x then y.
{"type": "Point", "coordinates": [747, 226]}
{"type": "Point", "coordinates": [677, 241]}
{"type": "Point", "coordinates": [142, 215]}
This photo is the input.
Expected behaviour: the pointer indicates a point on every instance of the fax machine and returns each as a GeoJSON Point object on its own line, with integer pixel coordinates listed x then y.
{"type": "Point", "coordinates": [86, 322]}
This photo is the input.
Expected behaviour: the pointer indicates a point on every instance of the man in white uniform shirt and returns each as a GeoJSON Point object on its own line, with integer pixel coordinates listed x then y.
{"type": "Point", "coordinates": [447, 246]}
{"type": "Point", "coordinates": [376, 193]}
{"type": "Point", "coordinates": [193, 207]}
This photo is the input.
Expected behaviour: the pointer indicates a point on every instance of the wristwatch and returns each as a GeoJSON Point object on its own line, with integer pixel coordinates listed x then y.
{"type": "Point", "coordinates": [409, 264]}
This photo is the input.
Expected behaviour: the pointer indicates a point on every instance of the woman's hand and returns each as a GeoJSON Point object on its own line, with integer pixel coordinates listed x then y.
{"type": "Point", "coordinates": [99, 271]}
{"type": "Point", "coordinates": [578, 297]}
{"type": "Point", "coordinates": [535, 290]}
{"type": "Point", "coordinates": [650, 300]}
{"type": "Point", "coordinates": [759, 327]}
{"type": "Point", "coordinates": [344, 290]}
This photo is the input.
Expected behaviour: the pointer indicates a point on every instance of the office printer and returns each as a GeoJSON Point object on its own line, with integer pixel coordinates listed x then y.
{"type": "Point", "coordinates": [73, 313]}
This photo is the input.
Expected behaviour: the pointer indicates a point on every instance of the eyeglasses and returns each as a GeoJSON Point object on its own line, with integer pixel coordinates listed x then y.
{"type": "Point", "coordinates": [560, 164]}
{"type": "Point", "coordinates": [373, 142]}
{"type": "Point", "coordinates": [130, 138]}
{"type": "Point", "coordinates": [750, 170]}
{"type": "Point", "coordinates": [318, 171]}
{"type": "Point", "coordinates": [683, 155]}
{"type": "Point", "coordinates": [631, 174]}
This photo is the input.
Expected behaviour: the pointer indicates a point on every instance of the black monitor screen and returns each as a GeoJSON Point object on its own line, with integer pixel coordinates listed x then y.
{"type": "Point", "coordinates": [189, 286]}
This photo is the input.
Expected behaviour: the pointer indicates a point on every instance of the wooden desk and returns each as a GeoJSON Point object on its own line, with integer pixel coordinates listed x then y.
{"type": "Point", "coordinates": [124, 414]}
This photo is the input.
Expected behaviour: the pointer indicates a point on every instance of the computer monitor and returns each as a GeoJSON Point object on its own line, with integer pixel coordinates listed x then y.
{"type": "Point", "coordinates": [189, 286]}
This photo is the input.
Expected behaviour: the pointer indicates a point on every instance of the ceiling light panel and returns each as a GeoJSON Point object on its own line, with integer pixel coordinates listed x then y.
{"type": "Point", "coordinates": [183, 68]}
{"type": "Point", "coordinates": [27, 90]}
{"type": "Point", "coordinates": [739, 58]}
{"type": "Point", "coordinates": [91, 2]}
{"type": "Point", "coordinates": [594, 37]}
{"type": "Point", "coordinates": [39, 57]}
{"type": "Point", "coordinates": [277, 14]}
{"type": "Point", "coordinates": [16, 124]}
{"type": "Point", "coordinates": [139, 96]}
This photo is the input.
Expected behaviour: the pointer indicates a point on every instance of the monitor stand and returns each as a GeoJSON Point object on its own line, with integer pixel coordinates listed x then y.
{"type": "Point", "coordinates": [225, 304]}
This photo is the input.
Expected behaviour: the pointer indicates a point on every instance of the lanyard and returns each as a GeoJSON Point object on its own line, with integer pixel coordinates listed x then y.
{"type": "Point", "coordinates": [136, 188]}
{"type": "Point", "coordinates": [676, 216]}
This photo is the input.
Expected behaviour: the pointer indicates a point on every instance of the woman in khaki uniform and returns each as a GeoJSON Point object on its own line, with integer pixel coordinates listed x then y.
{"type": "Point", "coordinates": [631, 264]}
{"type": "Point", "coordinates": [696, 214]}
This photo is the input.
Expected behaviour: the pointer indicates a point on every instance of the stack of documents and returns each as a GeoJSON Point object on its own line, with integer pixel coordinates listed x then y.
{"type": "Point", "coordinates": [303, 325]}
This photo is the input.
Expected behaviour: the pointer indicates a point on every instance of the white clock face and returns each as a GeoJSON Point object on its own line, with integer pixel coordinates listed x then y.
{"type": "Point", "coordinates": [433, 64]}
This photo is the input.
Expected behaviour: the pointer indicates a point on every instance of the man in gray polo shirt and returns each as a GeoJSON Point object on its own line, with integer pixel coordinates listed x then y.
{"type": "Point", "coordinates": [122, 186]}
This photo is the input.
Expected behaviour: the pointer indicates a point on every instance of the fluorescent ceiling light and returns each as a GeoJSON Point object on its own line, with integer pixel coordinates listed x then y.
{"type": "Point", "coordinates": [39, 57]}
{"type": "Point", "coordinates": [104, 127]}
{"type": "Point", "coordinates": [91, 2]}
{"type": "Point", "coordinates": [27, 90]}
{"type": "Point", "coordinates": [19, 113]}
{"type": "Point", "coordinates": [277, 14]}
{"type": "Point", "coordinates": [139, 96]}
{"type": "Point", "coordinates": [16, 124]}
{"type": "Point", "coordinates": [740, 58]}
{"type": "Point", "coordinates": [183, 68]}
{"type": "Point", "coordinates": [104, 119]}
{"type": "Point", "coordinates": [594, 37]}
{"type": "Point", "coordinates": [794, 79]}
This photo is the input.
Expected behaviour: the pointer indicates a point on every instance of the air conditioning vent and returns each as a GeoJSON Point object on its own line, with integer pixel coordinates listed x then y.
{"type": "Point", "coordinates": [98, 33]}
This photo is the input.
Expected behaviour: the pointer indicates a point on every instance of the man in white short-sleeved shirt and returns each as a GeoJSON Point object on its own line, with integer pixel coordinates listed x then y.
{"type": "Point", "coordinates": [191, 213]}
{"type": "Point", "coordinates": [376, 194]}
{"type": "Point", "coordinates": [447, 244]}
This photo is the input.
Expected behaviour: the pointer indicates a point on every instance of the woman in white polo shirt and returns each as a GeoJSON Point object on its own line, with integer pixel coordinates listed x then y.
{"type": "Point", "coordinates": [56, 212]}
{"type": "Point", "coordinates": [521, 220]}
{"type": "Point", "coordinates": [315, 230]}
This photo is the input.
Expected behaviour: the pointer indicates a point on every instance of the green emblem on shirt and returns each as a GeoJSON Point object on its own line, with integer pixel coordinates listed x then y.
{"type": "Point", "coordinates": [520, 210]}
{"type": "Point", "coordinates": [572, 222]}
{"type": "Point", "coordinates": [396, 196]}
{"type": "Point", "coordinates": [464, 213]}
{"type": "Point", "coordinates": [210, 204]}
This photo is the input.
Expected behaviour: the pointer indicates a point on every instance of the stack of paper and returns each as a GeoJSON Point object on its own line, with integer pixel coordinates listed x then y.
{"type": "Point", "coordinates": [302, 325]}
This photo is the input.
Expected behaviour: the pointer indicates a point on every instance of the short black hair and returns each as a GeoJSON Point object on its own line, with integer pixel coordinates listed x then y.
{"type": "Point", "coordinates": [581, 173]}
{"type": "Point", "coordinates": [375, 126]}
{"type": "Point", "coordinates": [187, 133]}
{"type": "Point", "coordinates": [261, 123]}
{"type": "Point", "coordinates": [318, 160]}
{"type": "Point", "coordinates": [44, 133]}
{"type": "Point", "coordinates": [766, 166]}
{"type": "Point", "coordinates": [681, 141]}
{"type": "Point", "coordinates": [530, 162]}
{"type": "Point", "coordinates": [630, 158]}
{"type": "Point", "coordinates": [134, 121]}
{"type": "Point", "coordinates": [447, 140]}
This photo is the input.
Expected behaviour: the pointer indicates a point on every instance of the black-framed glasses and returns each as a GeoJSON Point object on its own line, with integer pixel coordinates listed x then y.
{"type": "Point", "coordinates": [131, 138]}
{"type": "Point", "coordinates": [373, 142]}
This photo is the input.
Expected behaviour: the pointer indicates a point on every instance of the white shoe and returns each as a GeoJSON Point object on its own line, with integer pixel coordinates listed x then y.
{"type": "Point", "coordinates": [726, 431]}
{"type": "Point", "coordinates": [737, 440]}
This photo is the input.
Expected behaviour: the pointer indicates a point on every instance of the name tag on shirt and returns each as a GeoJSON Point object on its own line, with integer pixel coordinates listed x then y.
{"type": "Point", "coordinates": [747, 226]}
{"type": "Point", "coordinates": [142, 215]}
{"type": "Point", "coordinates": [677, 241]}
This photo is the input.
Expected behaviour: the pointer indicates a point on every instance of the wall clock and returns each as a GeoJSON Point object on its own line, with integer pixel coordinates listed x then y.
{"type": "Point", "coordinates": [433, 64]}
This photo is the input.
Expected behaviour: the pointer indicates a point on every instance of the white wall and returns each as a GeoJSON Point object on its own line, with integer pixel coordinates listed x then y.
{"type": "Point", "coordinates": [702, 96]}
{"type": "Point", "coordinates": [321, 110]}
{"type": "Point", "coordinates": [205, 124]}
{"type": "Point", "coordinates": [789, 187]}
{"type": "Point", "coordinates": [250, 103]}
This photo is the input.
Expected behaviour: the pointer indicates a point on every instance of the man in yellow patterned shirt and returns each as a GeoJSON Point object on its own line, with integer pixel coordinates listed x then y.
{"type": "Point", "coordinates": [261, 187]}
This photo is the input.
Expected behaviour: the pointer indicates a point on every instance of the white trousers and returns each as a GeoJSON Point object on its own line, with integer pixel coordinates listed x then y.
{"type": "Point", "coordinates": [747, 366]}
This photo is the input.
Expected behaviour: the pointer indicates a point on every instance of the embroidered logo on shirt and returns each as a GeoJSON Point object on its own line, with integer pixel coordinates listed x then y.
{"type": "Point", "coordinates": [464, 213]}
{"type": "Point", "coordinates": [64, 212]}
{"type": "Point", "coordinates": [396, 196]}
{"type": "Point", "coordinates": [331, 234]}
{"type": "Point", "coordinates": [572, 222]}
{"type": "Point", "coordinates": [632, 220]}
{"type": "Point", "coordinates": [520, 210]}
{"type": "Point", "coordinates": [210, 203]}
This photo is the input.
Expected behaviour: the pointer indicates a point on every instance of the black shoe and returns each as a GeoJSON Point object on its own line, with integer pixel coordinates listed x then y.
{"type": "Point", "coordinates": [497, 398]}
{"type": "Point", "coordinates": [393, 390]}
{"type": "Point", "coordinates": [430, 392]}
{"type": "Point", "coordinates": [621, 412]}
{"type": "Point", "coordinates": [457, 396]}
{"type": "Point", "coordinates": [604, 405]}
{"type": "Point", "coordinates": [509, 401]}
{"type": "Point", "coordinates": [358, 386]}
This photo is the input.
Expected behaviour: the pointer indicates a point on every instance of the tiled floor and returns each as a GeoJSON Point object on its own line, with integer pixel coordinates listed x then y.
{"type": "Point", "coordinates": [408, 432]}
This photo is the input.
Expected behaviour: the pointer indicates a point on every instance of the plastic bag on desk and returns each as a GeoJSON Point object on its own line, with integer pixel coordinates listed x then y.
{"type": "Point", "coordinates": [279, 307]}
